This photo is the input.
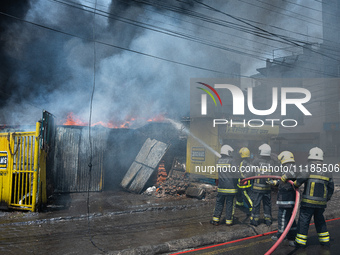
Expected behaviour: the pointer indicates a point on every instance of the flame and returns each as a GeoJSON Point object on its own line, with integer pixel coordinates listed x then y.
{"type": "Point", "coordinates": [158, 118]}
{"type": "Point", "coordinates": [73, 120]}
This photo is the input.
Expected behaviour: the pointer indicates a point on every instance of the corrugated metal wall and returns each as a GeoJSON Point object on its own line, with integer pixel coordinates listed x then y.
{"type": "Point", "coordinates": [72, 158]}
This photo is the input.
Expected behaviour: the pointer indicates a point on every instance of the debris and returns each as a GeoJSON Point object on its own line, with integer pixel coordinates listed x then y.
{"type": "Point", "coordinates": [161, 175]}
{"type": "Point", "coordinates": [144, 165]}
{"type": "Point", "coordinates": [195, 192]}
{"type": "Point", "coordinates": [149, 191]}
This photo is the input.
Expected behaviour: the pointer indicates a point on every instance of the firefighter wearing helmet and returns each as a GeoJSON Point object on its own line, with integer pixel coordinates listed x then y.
{"type": "Point", "coordinates": [261, 189]}
{"type": "Point", "coordinates": [243, 197]}
{"type": "Point", "coordinates": [227, 187]}
{"type": "Point", "coordinates": [285, 197]}
{"type": "Point", "coordinates": [318, 189]}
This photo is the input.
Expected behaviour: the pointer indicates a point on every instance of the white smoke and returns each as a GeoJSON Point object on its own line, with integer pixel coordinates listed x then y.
{"type": "Point", "coordinates": [55, 72]}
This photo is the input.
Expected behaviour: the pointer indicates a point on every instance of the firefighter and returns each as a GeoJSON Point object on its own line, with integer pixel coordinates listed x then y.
{"type": "Point", "coordinates": [244, 190]}
{"type": "Point", "coordinates": [318, 189]}
{"type": "Point", "coordinates": [285, 197]}
{"type": "Point", "coordinates": [227, 187]}
{"type": "Point", "coordinates": [261, 189]}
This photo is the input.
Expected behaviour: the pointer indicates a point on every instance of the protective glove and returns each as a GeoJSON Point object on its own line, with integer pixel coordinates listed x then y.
{"type": "Point", "coordinates": [272, 182]}
{"type": "Point", "coordinates": [284, 178]}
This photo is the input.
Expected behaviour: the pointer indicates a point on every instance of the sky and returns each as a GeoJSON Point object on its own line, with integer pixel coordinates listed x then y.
{"type": "Point", "coordinates": [134, 59]}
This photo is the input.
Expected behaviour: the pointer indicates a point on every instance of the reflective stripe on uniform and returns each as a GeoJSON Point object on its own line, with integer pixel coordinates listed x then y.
{"type": "Point", "coordinates": [239, 203]}
{"type": "Point", "coordinates": [248, 198]}
{"type": "Point", "coordinates": [285, 202]}
{"type": "Point", "coordinates": [216, 219]}
{"type": "Point", "coordinates": [230, 191]}
{"type": "Point", "coordinates": [300, 241]}
{"type": "Point", "coordinates": [261, 188]}
{"type": "Point", "coordinates": [311, 193]}
{"type": "Point", "coordinates": [244, 186]}
{"type": "Point", "coordinates": [301, 236]}
{"type": "Point", "coordinates": [314, 176]}
{"type": "Point", "coordinates": [309, 201]}
{"type": "Point", "coordinates": [323, 234]}
{"type": "Point", "coordinates": [267, 217]}
{"type": "Point", "coordinates": [324, 239]}
{"type": "Point", "coordinates": [228, 222]}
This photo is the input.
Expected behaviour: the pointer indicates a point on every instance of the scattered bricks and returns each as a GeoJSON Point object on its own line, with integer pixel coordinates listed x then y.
{"type": "Point", "coordinates": [161, 174]}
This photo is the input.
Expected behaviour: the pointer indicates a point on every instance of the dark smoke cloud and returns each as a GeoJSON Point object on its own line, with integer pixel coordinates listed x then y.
{"type": "Point", "coordinates": [43, 69]}
{"type": "Point", "coordinates": [17, 8]}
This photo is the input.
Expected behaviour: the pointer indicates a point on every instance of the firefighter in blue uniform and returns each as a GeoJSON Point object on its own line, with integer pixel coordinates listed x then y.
{"type": "Point", "coordinates": [243, 197]}
{"type": "Point", "coordinates": [261, 189]}
{"type": "Point", "coordinates": [318, 189]}
{"type": "Point", "coordinates": [227, 187]}
{"type": "Point", "coordinates": [285, 197]}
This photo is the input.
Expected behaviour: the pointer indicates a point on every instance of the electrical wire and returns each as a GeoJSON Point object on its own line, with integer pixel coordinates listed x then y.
{"type": "Point", "coordinates": [219, 46]}
{"type": "Point", "coordinates": [252, 21]}
{"type": "Point", "coordinates": [293, 42]}
{"type": "Point", "coordinates": [120, 47]}
{"type": "Point", "coordinates": [215, 44]}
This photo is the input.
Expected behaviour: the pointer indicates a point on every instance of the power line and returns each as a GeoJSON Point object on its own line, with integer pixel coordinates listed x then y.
{"type": "Point", "coordinates": [293, 42]}
{"type": "Point", "coordinates": [190, 38]}
{"type": "Point", "coordinates": [118, 47]}
{"type": "Point", "coordinates": [280, 8]}
{"type": "Point", "coordinates": [190, 13]}
{"type": "Point", "coordinates": [134, 51]}
{"type": "Point", "coordinates": [178, 34]}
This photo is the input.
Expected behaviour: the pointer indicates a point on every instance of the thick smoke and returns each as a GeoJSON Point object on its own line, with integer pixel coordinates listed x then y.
{"type": "Point", "coordinates": [45, 69]}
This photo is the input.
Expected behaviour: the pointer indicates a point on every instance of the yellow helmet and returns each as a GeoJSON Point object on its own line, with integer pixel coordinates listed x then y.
{"type": "Point", "coordinates": [285, 157]}
{"type": "Point", "coordinates": [244, 152]}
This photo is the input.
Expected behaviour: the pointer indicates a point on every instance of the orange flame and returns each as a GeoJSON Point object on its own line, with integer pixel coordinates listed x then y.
{"type": "Point", "coordinates": [158, 118]}
{"type": "Point", "coordinates": [73, 120]}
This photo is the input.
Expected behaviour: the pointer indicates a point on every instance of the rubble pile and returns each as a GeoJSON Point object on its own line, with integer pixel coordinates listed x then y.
{"type": "Point", "coordinates": [178, 184]}
{"type": "Point", "coordinates": [174, 185]}
{"type": "Point", "coordinates": [161, 175]}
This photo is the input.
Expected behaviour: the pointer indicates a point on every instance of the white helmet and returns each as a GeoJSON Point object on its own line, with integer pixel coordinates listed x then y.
{"type": "Point", "coordinates": [316, 153]}
{"type": "Point", "coordinates": [265, 150]}
{"type": "Point", "coordinates": [226, 150]}
{"type": "Point", "coordinates": [285, 157]}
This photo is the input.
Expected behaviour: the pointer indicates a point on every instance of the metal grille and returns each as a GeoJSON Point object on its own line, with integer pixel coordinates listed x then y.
{"type": "Point", "coordinates": [23, 170]}
{"type": "Point", "coordinates": [19, 165]}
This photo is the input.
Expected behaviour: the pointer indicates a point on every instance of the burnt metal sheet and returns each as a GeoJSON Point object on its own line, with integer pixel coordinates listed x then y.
{"type": "Point", "coordinates": [72, 157]}
{"type": "Point", "coordinates": [144, 164]}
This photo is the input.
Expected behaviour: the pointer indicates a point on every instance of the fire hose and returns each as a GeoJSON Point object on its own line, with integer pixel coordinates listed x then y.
{"type": "Point", "coordinates": [297, 200]}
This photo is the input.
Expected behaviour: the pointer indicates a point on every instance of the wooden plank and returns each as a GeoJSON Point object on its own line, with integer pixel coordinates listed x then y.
{"type": "Point", "coordinates": [154, 156]}
{"type": "Point", "coordinates": [130, 175]}
{"type": "Point", "coordinates": [145, 150]}
{"type": "Point", "coordinates": [135, 167]}
{"type": "Point", "coordinates": [141, 178]}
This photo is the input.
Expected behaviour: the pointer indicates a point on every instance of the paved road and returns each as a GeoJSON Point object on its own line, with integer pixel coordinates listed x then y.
{"type": "Point", "coordinates": [262, 244]}
{"type": "Point", "coordinates": [123, 221]}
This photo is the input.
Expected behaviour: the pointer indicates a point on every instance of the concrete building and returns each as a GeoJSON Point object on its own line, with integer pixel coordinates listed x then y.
{"type": "Point", "coordinates": [315, 67]}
